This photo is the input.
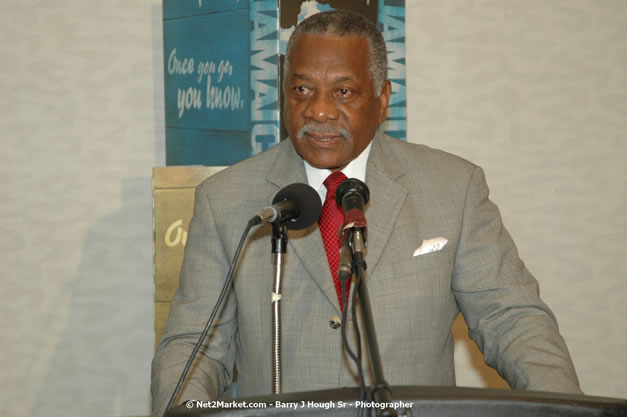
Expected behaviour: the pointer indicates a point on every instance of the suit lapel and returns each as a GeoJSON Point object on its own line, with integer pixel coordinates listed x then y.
{"type": "Point", "coordinates": [305, 244]}
{"type": "Point", "coordinates": [387, 197]}
{"type": "Point", "coordinates": [381, 212]}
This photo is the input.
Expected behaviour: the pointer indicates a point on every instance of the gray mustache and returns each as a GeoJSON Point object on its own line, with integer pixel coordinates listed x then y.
{"type": "Point", "coordinates": [324, 130]}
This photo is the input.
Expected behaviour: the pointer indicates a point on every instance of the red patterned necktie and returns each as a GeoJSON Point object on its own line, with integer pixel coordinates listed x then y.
{"type": "Point", "coordinates": [331, 220]}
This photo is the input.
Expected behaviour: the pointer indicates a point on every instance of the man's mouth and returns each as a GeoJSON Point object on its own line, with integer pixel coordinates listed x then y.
{"type": "Point", "coordinates": [324, 138]}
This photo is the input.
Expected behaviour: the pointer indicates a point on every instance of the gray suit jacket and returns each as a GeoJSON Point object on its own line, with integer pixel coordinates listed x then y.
{"type": "Point", "coordinates": [417, 193]}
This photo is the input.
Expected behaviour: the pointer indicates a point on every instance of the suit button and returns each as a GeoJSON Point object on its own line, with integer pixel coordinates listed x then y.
{"type": "Point", "coordinates": [335, 322]}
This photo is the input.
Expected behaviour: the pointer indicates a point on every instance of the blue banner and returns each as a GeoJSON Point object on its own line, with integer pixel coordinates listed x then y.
{"type": "Point", "coordinates": [223, 71]}
{"type": "Point", "coordinates": [185, 8]}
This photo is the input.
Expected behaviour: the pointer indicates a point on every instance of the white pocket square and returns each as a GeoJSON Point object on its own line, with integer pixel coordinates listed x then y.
{"type": "Point", "coordinates": [430, 245]}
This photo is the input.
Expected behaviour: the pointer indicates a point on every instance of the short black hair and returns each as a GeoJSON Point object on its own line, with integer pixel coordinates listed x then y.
{"type": "Point", "coordinates": [346, 23]}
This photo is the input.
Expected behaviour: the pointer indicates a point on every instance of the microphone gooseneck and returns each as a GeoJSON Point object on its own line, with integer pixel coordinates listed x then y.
{"type": "Point", "coordinates": [295, 206]}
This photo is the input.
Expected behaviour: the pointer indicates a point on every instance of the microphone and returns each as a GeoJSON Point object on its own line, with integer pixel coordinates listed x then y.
{"type": "Point", "coordinates": [297, 205]}
{"type": "Point", "coordinates": [345, 270]}
{"type": "Point", "coordinates": [353, 195]}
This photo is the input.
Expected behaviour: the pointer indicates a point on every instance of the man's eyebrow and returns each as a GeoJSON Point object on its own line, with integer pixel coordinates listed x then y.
{"type": "Point", "coordinates": [340, 78]}
{"type": "Point", "coordinates": [343, 78]}
{"type": "Point", "coordinates": [302, 77]}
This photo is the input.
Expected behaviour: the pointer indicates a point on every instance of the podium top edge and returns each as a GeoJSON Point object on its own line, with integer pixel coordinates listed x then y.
{"type": "Point", "coordinates": [444, 393]}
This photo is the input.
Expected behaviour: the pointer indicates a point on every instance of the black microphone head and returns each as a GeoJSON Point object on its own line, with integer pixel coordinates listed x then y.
{"type": "Point", "coordinates": [306, 199]}
{"type": "Point", "coordinates": [352, 187]}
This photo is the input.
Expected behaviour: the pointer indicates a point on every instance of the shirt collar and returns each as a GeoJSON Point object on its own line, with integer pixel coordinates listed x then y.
{"type": "Point", "coordinates": [355, 169]}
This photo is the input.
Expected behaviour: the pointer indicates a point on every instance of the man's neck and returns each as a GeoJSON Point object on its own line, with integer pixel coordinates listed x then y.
{"type": "Point", "coordinates": [354, 169]}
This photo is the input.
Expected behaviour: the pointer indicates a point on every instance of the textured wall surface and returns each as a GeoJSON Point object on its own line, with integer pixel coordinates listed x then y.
{"type": "Point", "coordinates": [535, 91]}
{"type": "Point", "coordinates": [81, 123]}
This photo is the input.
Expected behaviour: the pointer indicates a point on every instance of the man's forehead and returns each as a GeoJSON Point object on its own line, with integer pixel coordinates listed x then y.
{"type": "Point", "coordinates": [338, 57]}
{"type": "Point", "coordinates": [329, 39]}
{"type": "Point", "coordinates": [303, 46]}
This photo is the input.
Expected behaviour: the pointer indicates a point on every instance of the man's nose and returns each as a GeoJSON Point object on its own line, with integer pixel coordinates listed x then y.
{"type": "Point", "coordinates": [321, 107]}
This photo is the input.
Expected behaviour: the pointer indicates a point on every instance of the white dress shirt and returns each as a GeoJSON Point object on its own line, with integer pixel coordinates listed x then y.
{"type": "Point", "coordinates": [355, 169]}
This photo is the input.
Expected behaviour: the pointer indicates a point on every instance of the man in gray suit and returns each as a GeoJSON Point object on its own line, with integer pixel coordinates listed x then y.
{"type": "Point", "coordinates": [336, 94]}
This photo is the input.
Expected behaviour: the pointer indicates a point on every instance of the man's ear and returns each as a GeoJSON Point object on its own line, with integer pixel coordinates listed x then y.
{"type": "Point", "coordinates": [384, 100]}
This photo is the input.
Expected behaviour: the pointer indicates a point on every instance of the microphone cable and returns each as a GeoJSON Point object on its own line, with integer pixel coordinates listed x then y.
{"type": "Point", "coordinates": [357, 358]}
{"type": "Point", "coordinates": [227, 286]}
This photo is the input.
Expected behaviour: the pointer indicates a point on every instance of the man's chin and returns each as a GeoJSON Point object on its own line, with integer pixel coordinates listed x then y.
{"type": "Point", "coordinates": [330, 165]}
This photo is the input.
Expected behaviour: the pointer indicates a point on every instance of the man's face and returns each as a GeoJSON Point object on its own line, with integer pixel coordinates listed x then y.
{"type": "Point", "coordinates": [331, 109]}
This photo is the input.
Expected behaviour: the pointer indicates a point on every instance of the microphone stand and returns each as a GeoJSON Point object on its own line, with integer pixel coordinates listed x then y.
{"type": "Point", "coordinates": [279, 246]}
{"type": "Point", "coordinates": [381, 392]}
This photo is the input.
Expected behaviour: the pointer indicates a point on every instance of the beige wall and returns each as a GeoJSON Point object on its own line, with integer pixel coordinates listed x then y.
{"type": "Point", "coordinates": [535, 91]}
{"type": "Point", "coordinates": [81, 126]}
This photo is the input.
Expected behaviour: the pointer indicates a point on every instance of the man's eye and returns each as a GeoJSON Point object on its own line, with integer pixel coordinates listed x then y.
{"type": "Point", "coordinates": [345, 93]}
{"type": "Point", "coordinates": [301, 89]}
